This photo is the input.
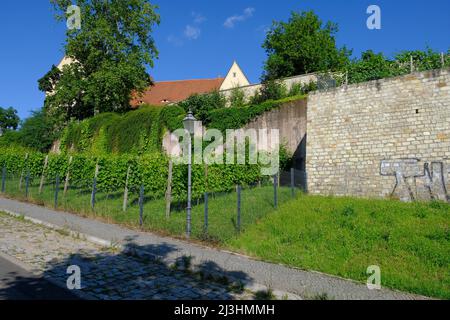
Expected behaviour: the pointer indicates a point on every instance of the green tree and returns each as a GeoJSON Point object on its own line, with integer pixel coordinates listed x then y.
{"type": "Point", "coordinates": [237, 98]}
{"type": "Point", "coordinates": [422, 60]}
{"type": "Point", "coordinates": [37, 132]}
{"type": "Point", "coordinates": [202, 104]}
{"type": "Point", "coordinates": [48, 82]}
{"type": "Point", "coordinates": [371, 66]}
{"type": "Point", "coordinates": [9, 120]}
{"type": "Point", "coordinates": [302, 45]}
{"type": "Point", "coordinates": [111, 53]}
{"type": "Point", "coordinates": [270, 90]}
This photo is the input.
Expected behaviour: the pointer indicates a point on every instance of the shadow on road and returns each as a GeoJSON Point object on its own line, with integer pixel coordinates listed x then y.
{"type": "Point", "coordinates": [133, 273]}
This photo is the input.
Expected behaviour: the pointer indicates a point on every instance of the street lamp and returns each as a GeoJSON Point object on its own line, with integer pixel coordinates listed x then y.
{"type": "Point", "coordinates": [189, 126]}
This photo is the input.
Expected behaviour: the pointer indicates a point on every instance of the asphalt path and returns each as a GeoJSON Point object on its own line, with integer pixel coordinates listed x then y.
{"type": "Point", "coordinates": [18, 284]}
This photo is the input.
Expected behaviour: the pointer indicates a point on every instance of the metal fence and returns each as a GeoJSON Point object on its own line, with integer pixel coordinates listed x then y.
{"type": "Point", "coordinates": [217, 216]}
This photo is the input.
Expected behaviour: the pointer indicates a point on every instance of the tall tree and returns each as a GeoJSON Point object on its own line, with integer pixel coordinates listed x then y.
{"type": "Point", "coordinates": [9, 120]}
{"type": "Point", "coordinates": [303, 44]}
{"type": "Point", "coordinates": [111, 53]}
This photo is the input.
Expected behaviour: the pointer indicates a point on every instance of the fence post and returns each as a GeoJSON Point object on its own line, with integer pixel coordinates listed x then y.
{"type": "Point", "coordinates": [3, 179]}
{"type": "Point", "coordinates": [275, 191]}
{"type": "Point", "coordinates": [411, 64]}
{"type": "Point", "coordinates": [306, 182]}
{"type": "Point", "coordinates": [66, 184]}
{"type": "Point", "coordinates": [27, 183]}
{"type": "Point", "coordinates": [94, 187]}
{"type": "Point", "coordinates": [205, 226]}
{"type": "Point", "coordinates": [125, 193]}
{"type": "Point", "coordinates": [41, 185]}
{"type": "Point", "coordinates": [141, 206]}
{"type": "Point", "coordinates": [442, 60]}
{"type": "Point", "coordinates": [21, 173]}
{"type": "Point", "coordinates": [239, 208]}
{"type": "Point", "coordinates": [94, 191]}
{"type": "Point", "coordinates": [293, 182]}
{"type": "Point", "coordinates": [56, 190]}
{"type": "Point", "coordinates": [169, 189]}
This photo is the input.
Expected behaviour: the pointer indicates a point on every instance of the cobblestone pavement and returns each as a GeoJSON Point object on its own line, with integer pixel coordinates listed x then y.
{"type": "Point", "coordinates": [105, 273]}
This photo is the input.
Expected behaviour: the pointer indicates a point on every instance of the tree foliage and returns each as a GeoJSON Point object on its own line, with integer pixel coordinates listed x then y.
{"type": "Point", "coordinates": [202, 104]}
{"type": "Point", "coordinates": [48, 82]}
{"type": "Point", "coordinates": [375, 66]}
{"type": "Point", "coordinates": [110, 55]}
{"type": "Point", "coordinates": [302, 45]}
{"type": "Point", "coordinates": [37, 132]}
{"type": "Point", "coordinates": [9, 120]}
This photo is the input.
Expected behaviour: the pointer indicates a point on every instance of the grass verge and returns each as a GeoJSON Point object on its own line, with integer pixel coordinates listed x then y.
{"type": "Point", "coordinates": [410, 242]}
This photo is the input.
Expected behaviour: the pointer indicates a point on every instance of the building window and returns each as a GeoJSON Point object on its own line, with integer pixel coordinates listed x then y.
{"type": "Point", "coordinates": [234, 74]}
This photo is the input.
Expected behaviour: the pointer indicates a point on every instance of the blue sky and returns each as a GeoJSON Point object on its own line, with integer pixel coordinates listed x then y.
{"type": "Point", "coordinates": [201, 38]}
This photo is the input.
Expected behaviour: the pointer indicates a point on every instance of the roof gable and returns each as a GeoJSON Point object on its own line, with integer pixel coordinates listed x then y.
{"type": "Point", "coordinates": [235, 78]}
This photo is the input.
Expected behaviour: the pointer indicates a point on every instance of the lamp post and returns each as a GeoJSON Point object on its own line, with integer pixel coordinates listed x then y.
{"type": "Point", "coordinates": [189, 126]}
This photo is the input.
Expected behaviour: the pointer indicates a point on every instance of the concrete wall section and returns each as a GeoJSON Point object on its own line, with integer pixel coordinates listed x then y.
{"type": "Point", "coordinates": [290, 120]}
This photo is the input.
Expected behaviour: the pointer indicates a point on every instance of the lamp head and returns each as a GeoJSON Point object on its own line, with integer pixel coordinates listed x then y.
{"type": "Point", "coordinates": [189, 122]}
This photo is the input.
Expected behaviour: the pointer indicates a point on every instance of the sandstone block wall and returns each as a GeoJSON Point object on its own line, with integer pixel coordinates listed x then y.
{"type": "Point", "coordinates": [382, 138]}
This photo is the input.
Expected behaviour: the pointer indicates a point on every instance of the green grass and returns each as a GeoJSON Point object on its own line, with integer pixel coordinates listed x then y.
{"type": "Point", "coordinates": [410, 242]}
{"type": "Point", "coordinates": [222, 217]}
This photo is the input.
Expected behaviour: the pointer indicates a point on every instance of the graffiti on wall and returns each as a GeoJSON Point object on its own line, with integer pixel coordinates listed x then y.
{"type": "Point", "coordinates": [417, 180]}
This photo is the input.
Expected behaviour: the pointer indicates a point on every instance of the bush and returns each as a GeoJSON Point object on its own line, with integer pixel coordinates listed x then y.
{"type": "Point", "coordinates": [38, 132]}
{"type": "Point", "coordinates": [150, 170]}
{"type": "Point", "coordinates": [10, 138]}
{"type": "Point", "coordinates": [237, 98]}
{"type": "Point", "coordinates": [236, 118]}
{"type": "Point", "coordinates": [373, 66]}
{"type": "Point", "coordinates": [271, 90]}
{"type": "Point", "coordinates": [172, 117]}
{"type": "Point", "coordinates": [135, 132]}
{"type": "Point", "coordinates": [202, 104]}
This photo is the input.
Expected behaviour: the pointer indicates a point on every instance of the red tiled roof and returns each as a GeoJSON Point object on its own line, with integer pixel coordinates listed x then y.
{"type": "Point", "coordinates": [166, 92]}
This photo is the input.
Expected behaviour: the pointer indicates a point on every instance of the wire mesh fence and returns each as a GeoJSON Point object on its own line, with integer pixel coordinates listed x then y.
{"type": "Point", "coordinates": [216, 216]}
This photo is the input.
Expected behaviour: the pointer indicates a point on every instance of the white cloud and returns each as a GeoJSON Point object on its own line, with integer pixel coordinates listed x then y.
{"type": "Point", "coordinates": [198, 17]}
{"type": "Point", "coordinates": [192, 33]}
{"type": "Point", "coordinates": [231, 21]}
{"type": "Point", "coordinates": [176, 41]}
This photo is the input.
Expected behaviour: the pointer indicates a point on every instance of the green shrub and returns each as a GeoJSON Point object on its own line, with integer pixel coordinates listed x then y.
{"type": "Point", "coordinates": [374, 66]}
{"type": "Point", "coordinates": [271, 90]}
{"type": "Point", "coordinates": [38, 132]}
{"type": "Point", "coordinates": [150, 170]}
{"type": "Point", "coordinates": [172, 117]}
{"type": "Point", "coordinates": [202, 104]}
{"type": "Point", "coordinates": [135, 132]}
{"type": "Point", "coordinates": [237, 98]}
{"type": "Point", "coordinates": [236, 118]}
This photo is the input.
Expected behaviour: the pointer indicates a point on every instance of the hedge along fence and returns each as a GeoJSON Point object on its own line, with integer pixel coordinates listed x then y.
{"type": "Point", "coordinates": [150, 170]}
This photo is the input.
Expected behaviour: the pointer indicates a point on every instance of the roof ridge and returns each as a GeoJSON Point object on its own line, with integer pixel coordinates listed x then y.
{"type": "Point", "coordinates": [209, 79]}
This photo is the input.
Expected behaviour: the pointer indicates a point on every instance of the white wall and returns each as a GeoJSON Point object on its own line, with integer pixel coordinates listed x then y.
{"type": "Point", "coordinates": [235, 78]}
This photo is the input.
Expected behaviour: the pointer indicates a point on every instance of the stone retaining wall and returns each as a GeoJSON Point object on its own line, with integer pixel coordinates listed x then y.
{"type": "Point", "coordinates": [382, 138]}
